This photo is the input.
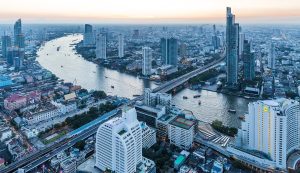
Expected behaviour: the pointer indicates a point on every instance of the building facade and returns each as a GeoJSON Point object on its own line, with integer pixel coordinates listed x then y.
{"type": "Point", "coordinates": [249, 62]}
{"type": "Point", "coordinates": [120, 46]}
{"type": "Point", "coordinates": [232, 49]}
{"type": "Point", "coordinates": [88, 36]}
{"type": "Point", "coordinates": [271, 57]}
{"type": "Point", "coordinates": [101, 46]}
{"type": "Point", "coordinates": [149, 135]}
{"type": "Point", "coordinates": [272, 127]}
{"type": "Point", "coordinates": [119, 143]}
{"type": "Point", "coordinates": [169, 51]}
{"type": "Point", "coordinates": [181, 132]}
{"type": "Point", "coordinates": [147, 61]}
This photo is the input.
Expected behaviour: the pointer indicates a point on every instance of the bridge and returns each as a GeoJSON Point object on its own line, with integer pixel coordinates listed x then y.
{"type": "Point", "coordinates": [35, 159]}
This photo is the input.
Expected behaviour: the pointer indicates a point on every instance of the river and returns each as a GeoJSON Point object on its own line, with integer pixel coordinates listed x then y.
{"type": "Point", "coordinates": [71, 67]}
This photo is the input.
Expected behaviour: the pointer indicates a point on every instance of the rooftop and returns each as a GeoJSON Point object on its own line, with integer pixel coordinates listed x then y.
{"type": "Point", "coordinates": [182, 123]}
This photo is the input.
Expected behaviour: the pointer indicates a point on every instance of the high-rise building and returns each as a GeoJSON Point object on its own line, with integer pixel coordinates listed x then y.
{"type": "Point", "coordinates": [14, 52]}
{"type": "Point", "coordinates": [6, 43]}
{"type": "Point", "coordinates": [271, 57]}
{"type": "Point", "coordinates": [101, 46]}
{"type": "Point", "coordinates": [241, 44]}
{"type": "Point", "coordinates": [88, 37]}
{"type": "Point", "coordinates": [169, 51]}
{"type": "Point", "coordinates": [147, 61]}
{"type": "Point", "coordinates": [216, 42]}
{"type": "Point", "coordinates": [19, 39]}
{"type": "Point", "coordinates": [232, 49]}
{"type": "Point", "coordinates": [120, 46]}
{"type": "Point", "coordinates": [119, 143]}
{"type": "Point", "coordinates": [182, 50]}
{"type": "Point", "coordinates": [249, 62]}
{"type": "Point", "coordinates": [272, 127]}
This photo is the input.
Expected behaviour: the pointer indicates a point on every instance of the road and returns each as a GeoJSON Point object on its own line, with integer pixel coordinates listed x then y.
{"type": "Point", "coordinates": [36, 159]}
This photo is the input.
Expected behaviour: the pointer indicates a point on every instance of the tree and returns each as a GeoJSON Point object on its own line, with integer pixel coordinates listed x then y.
{"type": "Point", "coordinates": [80, 145]}
{"type": "Point", "coordinates": [99, 95]}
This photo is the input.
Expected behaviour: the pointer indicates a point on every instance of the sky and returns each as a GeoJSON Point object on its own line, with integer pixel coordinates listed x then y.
{"type": "Point", "coordinates": [148, 11]}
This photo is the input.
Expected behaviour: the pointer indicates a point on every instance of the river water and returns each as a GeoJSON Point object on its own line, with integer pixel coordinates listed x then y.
{"type": "Point", "coordinates": [71, 67]}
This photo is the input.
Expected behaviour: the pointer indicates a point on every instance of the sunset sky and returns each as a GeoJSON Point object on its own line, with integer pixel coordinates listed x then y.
{"type": "Point", "coordinates": [148, 11]}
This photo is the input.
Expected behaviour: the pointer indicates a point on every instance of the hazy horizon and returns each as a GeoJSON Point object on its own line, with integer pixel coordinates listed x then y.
{"type": "Point", "coordinates": [149, 12]}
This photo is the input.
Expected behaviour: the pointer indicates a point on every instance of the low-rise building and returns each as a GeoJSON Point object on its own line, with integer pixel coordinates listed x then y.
{"type": "Point", "coordinates": [163, 124]}
{"type": "Point", "coordinates": [181, 132]}
{"type": "Point", "coordinates": [69, 165]}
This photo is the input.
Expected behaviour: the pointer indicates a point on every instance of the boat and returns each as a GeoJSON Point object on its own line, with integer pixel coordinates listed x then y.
{"type": "Point", "coordinates": [94, 72]}
{"type": "Point", "coordinates": [232, 110]}
{"type": "Point", "coordinates": [199, 103]}
{"type": "Point", "coordinates": [242, 117]}
{"type": "Point", "coordinates": [136, 95]}
{"type": "Point", "coordinates": [61, 66]}
{"type": "Point", "coordinates": [106, 77]}
{"type": "Point", "coordinates": [197, 96]}
{"type": "Point", "coordinates": [58, 48]}
{"type": "Point", "coordinates": [185, 97]}
{"type": "Point", "coordinates": [246, 97]}
{"type": "Point", "coordinates": [112, 86]}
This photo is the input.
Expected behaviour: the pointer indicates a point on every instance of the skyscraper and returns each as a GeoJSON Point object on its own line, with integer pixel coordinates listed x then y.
{"type": "Point", "coordinates": [169, 51]}
{"type": "Point", "coordinates": [19, 39]}
{"type": "Point", "coordinates": [249, 62]}
{"type": "Point", "coordinates": [120, 46]}
{"type": "Point", "coordinates": [241, 44]}
{"type": "Point", "coordinates": [88, 37]}
{"type": "Point", "coordinates": [147, 61]}
{"type": "Point", "coordinates": [6, 43]}
{"type": "Point", "coordinates": [119, 143]}
{"type": "Point", "coordinates": [271, 57]}
{"type": "Point", "coordinates": [101, 46]}
{"type": "Point", "coordinates": [272, 127]}
{"type": "Point", "coordinates": [232, 49]}
{"type": "Point", "coordinates": [14, 52]}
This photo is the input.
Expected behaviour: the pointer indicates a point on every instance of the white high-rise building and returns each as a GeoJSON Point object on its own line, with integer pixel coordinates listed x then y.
{"type": "Point", "coordinates": [147, 61]}
{"type": "Point", "coordinates": [272, 127]}
{"type": "Point", "coordinates": [271, 57]}
{"type": "Point", "coordinates": [181, 132]}
{"type": "Point", "coordinates": [119, 143]}
{"type": "Point", "coordinates": [101, 46]}
{"type": "Point", "coordinates": [121, 46]}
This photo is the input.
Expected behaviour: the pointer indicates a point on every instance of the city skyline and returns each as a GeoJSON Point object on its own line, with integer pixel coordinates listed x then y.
{"type": "Point", "coordinates": [144, 11]}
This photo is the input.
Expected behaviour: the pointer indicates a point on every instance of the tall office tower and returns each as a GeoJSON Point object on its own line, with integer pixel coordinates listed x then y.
{"type": "Point", "coordinates": [216, 41]}
{"type": "Point", "coordinates": [182, 50]}
{"type": "Point", "coordinates": [6, 43]}
{"type": "Point", "coordinates": [272, 127]}
{"type": "Point", "coordinates": [147, 61]}
{"type": "Point", "coordinates": [241, 44]}
{"type": "Point", "coordinates": [232, 49]}
{"type": "Point", "coordinates": [271, 57]}
{"type": "Point", "coordinates": [249, 62]}
{"type": "Point", "coordinates": [101, 46]}
{"type": "Point", "coordinates": [136, 34]}
{"type": "Point", "coordinates": [88, 37]}
{"type": "Point", "coordinates": [214, 30]}
{"type": "Point", "coordinates": [169, 51]}
{"type": "Point", "coordinates": [19, 39]}
{"type": "Point", "coordinates": [119, 143]}
{"type": "Point", "coordinates": [121, 46]}
{"type": "Point", "coordinates": [14, 52]}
